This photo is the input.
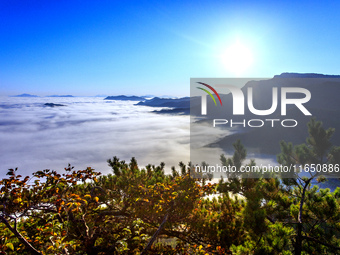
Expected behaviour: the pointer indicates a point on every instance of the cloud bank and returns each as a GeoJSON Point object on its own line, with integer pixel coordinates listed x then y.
{"type": "Point", "coordinates": [86, 132]}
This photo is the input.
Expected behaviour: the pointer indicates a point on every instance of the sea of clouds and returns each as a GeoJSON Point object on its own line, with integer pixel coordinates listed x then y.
{"type": "Point", "coordinates": [85, 133]}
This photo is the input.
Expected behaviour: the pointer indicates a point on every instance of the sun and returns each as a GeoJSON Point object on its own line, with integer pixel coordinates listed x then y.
{"type": "Point", "coordinates": [237, 58]}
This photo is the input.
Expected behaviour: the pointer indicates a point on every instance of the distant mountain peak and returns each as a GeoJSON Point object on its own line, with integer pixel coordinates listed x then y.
{"type": "Point", "coordinates": [305, 75]}
{"type": "Point", "coordinates": [25, 95]}
{"type": "Point", "coordinates": [125, 98]}
{"type": "Point", "coordinates": [53, 105]}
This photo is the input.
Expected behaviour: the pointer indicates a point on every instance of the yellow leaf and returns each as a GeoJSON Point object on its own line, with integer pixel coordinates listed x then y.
{"type": "Point", "coordinates": [96, 199]}
{"type": "Point", "coordinates": [17, 200]}
{"type": "Point", "coordinates": [10, 246]}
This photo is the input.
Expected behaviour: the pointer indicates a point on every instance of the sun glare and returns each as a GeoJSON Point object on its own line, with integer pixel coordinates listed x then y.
{"type": "Point", "coordinates": [237, 58]}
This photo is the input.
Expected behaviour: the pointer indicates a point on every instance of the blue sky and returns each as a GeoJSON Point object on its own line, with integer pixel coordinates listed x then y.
{"type": "Point", "coordinates": [88, 48]}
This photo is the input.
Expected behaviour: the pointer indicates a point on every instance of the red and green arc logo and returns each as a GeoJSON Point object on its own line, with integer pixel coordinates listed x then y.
{"type": "Point", "coordinates": [209, 93]}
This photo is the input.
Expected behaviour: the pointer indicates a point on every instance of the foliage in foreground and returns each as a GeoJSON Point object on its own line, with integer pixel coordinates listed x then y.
{"type": "Point", "coordinates": [84, 212]}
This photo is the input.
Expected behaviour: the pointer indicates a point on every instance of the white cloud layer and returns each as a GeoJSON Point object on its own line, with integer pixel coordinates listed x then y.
{"type": "Point", "coordinates": [86, 132]}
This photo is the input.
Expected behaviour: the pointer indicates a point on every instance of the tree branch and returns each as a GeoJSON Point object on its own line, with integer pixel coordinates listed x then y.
{"type": "Point", "coordinates": [308, 238]}
{"type": "Point", "coordinates": [19, 236]}
{"type": "Point", "coordinates": [303, 199]}
{"type": "Point", "coordinates": [158, 231]}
